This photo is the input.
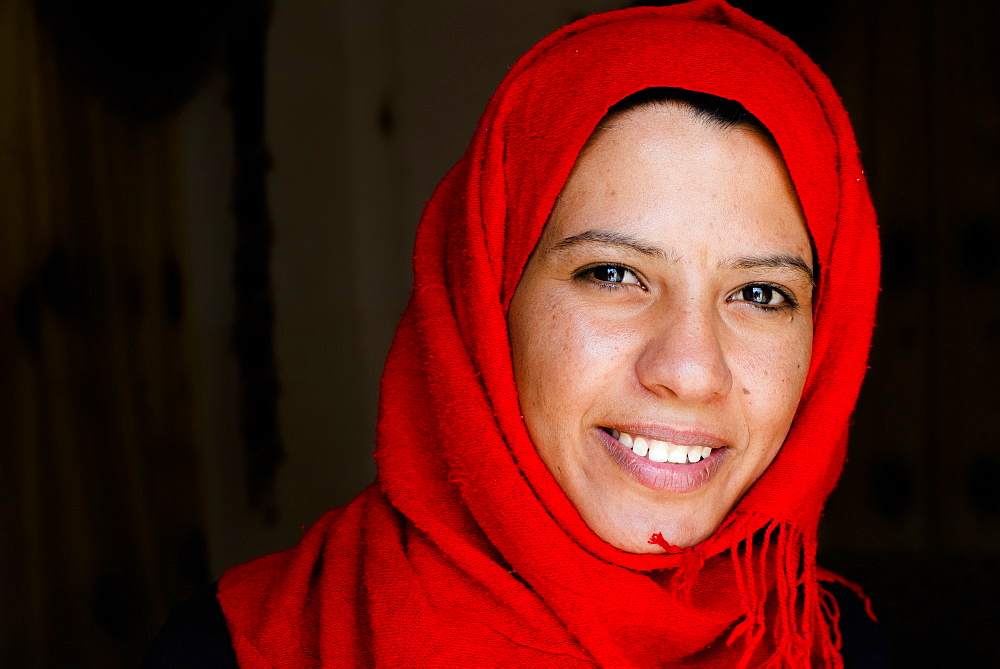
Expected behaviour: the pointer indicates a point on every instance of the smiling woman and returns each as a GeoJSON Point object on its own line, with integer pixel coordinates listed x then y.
{"type": "Point", "coordinates": [620, 393]}
{"type": "Point", "coordinates": [662, 328]}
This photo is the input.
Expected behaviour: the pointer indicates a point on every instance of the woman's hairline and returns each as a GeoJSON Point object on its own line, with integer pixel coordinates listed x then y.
{"type": "Point", "coordinates": [717, 112]}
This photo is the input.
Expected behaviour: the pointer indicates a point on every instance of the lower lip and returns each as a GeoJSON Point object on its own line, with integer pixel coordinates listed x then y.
{"type": "Point", "coordinates": [667, 476]}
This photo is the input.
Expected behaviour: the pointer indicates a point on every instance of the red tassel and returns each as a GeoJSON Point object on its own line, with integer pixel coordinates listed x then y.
{"type": "Point", "coordinates": [658, 540]}
{"type": "Point", "coordinates": [857, 589]}
{"type": "Point", "coordinates": [803, 629]}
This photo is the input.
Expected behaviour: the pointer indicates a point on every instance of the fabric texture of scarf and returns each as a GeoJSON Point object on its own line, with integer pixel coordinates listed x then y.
{"type": "Point", "coordinates": [465, 551]}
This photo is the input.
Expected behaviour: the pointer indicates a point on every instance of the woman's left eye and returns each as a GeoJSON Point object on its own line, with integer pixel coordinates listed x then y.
{"type": "Point", "coordinates": [762, 295]}
{"type": "Point", "coordinates": [611, 274]}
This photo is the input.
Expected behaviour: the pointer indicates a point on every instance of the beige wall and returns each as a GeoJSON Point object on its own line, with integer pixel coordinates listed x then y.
{"type": "Point", "coordinates": [368, 104]}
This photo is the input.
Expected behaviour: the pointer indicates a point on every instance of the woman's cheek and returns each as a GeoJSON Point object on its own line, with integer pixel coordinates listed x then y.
{"type": "Point", "coordinates": [590, 340]}
{"type": "Point", "coordinates": [769, 371]}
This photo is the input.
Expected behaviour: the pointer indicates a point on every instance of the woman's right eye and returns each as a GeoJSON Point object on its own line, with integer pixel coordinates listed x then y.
{"type": "Point", "coordinates": [610, 275]}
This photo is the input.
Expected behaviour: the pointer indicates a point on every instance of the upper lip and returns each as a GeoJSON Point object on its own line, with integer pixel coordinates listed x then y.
{"type": "Point", "coordinates": [670, 434]}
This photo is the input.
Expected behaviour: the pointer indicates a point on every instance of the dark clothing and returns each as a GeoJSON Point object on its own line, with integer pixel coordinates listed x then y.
{"type": "Point", "coordinates": [196, 635]}
{"type": "Point", "coordinates": [864, 644]}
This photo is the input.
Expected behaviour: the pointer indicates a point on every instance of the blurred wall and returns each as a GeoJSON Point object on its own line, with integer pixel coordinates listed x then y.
{"type": "Point", "coordinates": [368, 105]}
{"type": "Point", "coordinates": [916, 517]}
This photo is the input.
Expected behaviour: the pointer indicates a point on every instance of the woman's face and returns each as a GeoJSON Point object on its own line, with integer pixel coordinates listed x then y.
{"type": "Point", "coordinates": [662, 329]}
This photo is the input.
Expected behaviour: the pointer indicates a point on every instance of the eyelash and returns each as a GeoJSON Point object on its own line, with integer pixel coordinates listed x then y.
{"type": "Point", "coordinates": [788, 304]}
{"type": "Point", "coordinates": [587, 274]}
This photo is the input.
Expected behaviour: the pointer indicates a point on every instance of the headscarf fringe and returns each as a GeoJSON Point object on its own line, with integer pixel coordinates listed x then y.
{"type": "Point", "coordinates": [803, 629]}
{"type": "Point", "coordinates": [855, 588]}
{"type": "Point", "coordinates": [682, 581]}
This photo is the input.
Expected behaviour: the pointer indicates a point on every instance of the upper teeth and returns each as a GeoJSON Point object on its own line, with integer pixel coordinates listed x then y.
{"type": "Point", "coordinates": [662, 451]}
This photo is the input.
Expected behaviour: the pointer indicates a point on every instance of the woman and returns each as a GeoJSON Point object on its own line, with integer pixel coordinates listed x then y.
{"type": "Point", "coordinates": [620, 393]}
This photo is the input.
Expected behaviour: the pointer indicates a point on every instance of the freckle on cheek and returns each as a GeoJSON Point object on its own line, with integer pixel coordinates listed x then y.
{"type": "Point", "coordinates": [746, 391]}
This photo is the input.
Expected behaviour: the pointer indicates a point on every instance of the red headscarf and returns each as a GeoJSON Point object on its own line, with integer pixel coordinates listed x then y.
{"type": "Point", "coordinates": [465, 551]}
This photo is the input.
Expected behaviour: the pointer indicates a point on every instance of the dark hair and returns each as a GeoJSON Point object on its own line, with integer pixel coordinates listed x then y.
{"type": "Point", "coordinates": [719, 112]}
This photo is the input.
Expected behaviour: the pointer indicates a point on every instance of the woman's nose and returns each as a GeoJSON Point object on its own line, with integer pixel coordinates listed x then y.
{"type": "Point", "coordinates": [682, 356]}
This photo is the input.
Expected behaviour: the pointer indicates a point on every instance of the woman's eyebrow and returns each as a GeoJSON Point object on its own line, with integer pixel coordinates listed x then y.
{"type": "Point", "coordinates": [740, 262]}
{"type": "Point", "coordinates": [775, 260]}
{"type": "Point", "coordinates": [612, 239]}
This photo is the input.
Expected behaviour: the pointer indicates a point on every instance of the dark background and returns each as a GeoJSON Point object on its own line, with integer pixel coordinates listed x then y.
{"type": "Point", "coordinates": [206, 217]}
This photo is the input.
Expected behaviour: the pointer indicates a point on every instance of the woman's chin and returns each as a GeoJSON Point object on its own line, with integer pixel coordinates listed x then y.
{"type": "Point", "coordinates": [648, 546]}
{"type": "Point", "coordinates": [649, 534]}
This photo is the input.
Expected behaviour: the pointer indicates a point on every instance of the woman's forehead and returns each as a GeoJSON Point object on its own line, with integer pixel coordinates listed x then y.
{"type": "Point", "coordinates": [670, 187]}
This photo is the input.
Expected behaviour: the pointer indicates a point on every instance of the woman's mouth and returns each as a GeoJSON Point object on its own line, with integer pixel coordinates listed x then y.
{"type": "Point", "coordinates": [665, 464]}
{"type": "Point", "coordinates": [662, 451]}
